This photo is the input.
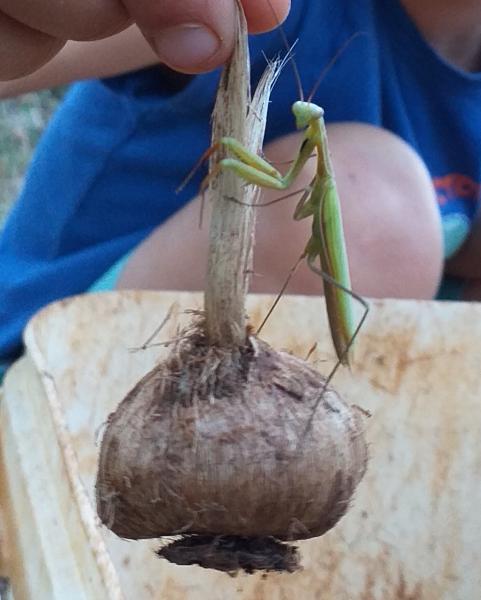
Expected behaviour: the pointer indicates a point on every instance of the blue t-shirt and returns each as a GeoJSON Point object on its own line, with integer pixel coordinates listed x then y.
{"type": "Point", "coordinates": [106, 169]}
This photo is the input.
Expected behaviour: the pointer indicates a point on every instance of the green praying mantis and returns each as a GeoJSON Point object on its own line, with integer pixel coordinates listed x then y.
{"type": "Point", "coordinates": [325, 251]}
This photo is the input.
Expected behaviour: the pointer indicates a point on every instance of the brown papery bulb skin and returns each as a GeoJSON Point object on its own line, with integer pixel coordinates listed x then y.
{"type": "Point", "coordinates": [226, 443]}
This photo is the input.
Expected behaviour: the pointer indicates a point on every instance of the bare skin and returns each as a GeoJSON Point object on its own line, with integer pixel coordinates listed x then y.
{"type": "Point", "coordinates": [191, 36]}
{"type": "Point", "coordinates": [452, 27]}
{"type": "Point", "coordinates": [376, 172]}
{"type": "Point", "coordinates": [125, 51]}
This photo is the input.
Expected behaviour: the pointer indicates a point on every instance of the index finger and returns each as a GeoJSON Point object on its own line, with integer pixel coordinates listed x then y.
{"type": "Point", "coordinates": [70, 19]}
{"type": "Point", "coordinates": [33, 31]}
{"type": "Point", "coordinates": [193, 36]}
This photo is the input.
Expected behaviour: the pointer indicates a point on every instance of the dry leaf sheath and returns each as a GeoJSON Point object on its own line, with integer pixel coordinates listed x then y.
{"type": "Point", "coordinates": [232, 224]}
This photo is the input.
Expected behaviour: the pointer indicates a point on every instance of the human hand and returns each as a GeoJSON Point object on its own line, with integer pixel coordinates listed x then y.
{"type": "Point", "coordinates": [191, 36]}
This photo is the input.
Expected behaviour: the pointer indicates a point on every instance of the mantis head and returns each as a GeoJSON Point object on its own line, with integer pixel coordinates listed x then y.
{"type": "Point", "coordinates": [305, 112]}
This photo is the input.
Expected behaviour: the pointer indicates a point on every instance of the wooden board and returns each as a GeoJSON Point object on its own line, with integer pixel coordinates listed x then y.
{"type": "Point", "coordinates": [413, 531]}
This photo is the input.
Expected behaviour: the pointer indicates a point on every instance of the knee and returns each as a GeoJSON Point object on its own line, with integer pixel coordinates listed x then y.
{"type": "Point", "coordinates": [391, 218]}
{"type": "Point", "coordinates": [390, 211]}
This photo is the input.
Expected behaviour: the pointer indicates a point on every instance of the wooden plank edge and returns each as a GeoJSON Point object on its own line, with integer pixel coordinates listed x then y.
{"type": "Point", "coordinates": [55, 554]}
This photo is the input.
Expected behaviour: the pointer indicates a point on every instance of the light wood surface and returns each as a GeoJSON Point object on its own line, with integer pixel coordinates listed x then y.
{"type": "Point", "coordinates": [412, 533]}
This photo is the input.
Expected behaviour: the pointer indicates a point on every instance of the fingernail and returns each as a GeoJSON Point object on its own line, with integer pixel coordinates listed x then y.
{"type": "Point", "coordinates": [187, 45]}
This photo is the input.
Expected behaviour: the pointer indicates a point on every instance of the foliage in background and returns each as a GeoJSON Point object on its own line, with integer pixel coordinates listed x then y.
{"type": "Point", "coordinates": [22, 121]}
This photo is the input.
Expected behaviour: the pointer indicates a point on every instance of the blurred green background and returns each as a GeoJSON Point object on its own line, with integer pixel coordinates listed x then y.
{"type": "Point", "coordinates": [22, 121]}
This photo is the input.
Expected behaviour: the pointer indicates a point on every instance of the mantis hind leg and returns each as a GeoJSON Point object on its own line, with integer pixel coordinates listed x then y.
{"type": "Point", "coordinates": [356, 297]}
{"type": "Point", "coordinates": [335, 283]}
{"type": "Point", "coordinates": [280, 293]}
{"type": "Point", "coordinates": [326, 277]}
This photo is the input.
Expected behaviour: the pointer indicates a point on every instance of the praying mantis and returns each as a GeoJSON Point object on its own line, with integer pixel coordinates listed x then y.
{"type": "Point", "coordinates": [325, 251]}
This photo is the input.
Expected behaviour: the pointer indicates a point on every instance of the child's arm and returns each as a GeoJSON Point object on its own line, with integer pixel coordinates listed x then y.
{"type": "Point", "coordinates": [125, 51]}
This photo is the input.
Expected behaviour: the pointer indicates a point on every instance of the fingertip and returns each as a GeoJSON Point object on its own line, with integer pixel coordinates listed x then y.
{"type": "Point", "coordinates": [190, 48]}
{"type": "Point", "coordinates": [191, 36]}
{"type": "Point", "coordinates": [265, 15]}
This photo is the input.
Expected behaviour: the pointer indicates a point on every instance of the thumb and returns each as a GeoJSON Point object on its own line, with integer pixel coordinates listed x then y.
{"type": "Point", "coordinates": [191, 36]}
